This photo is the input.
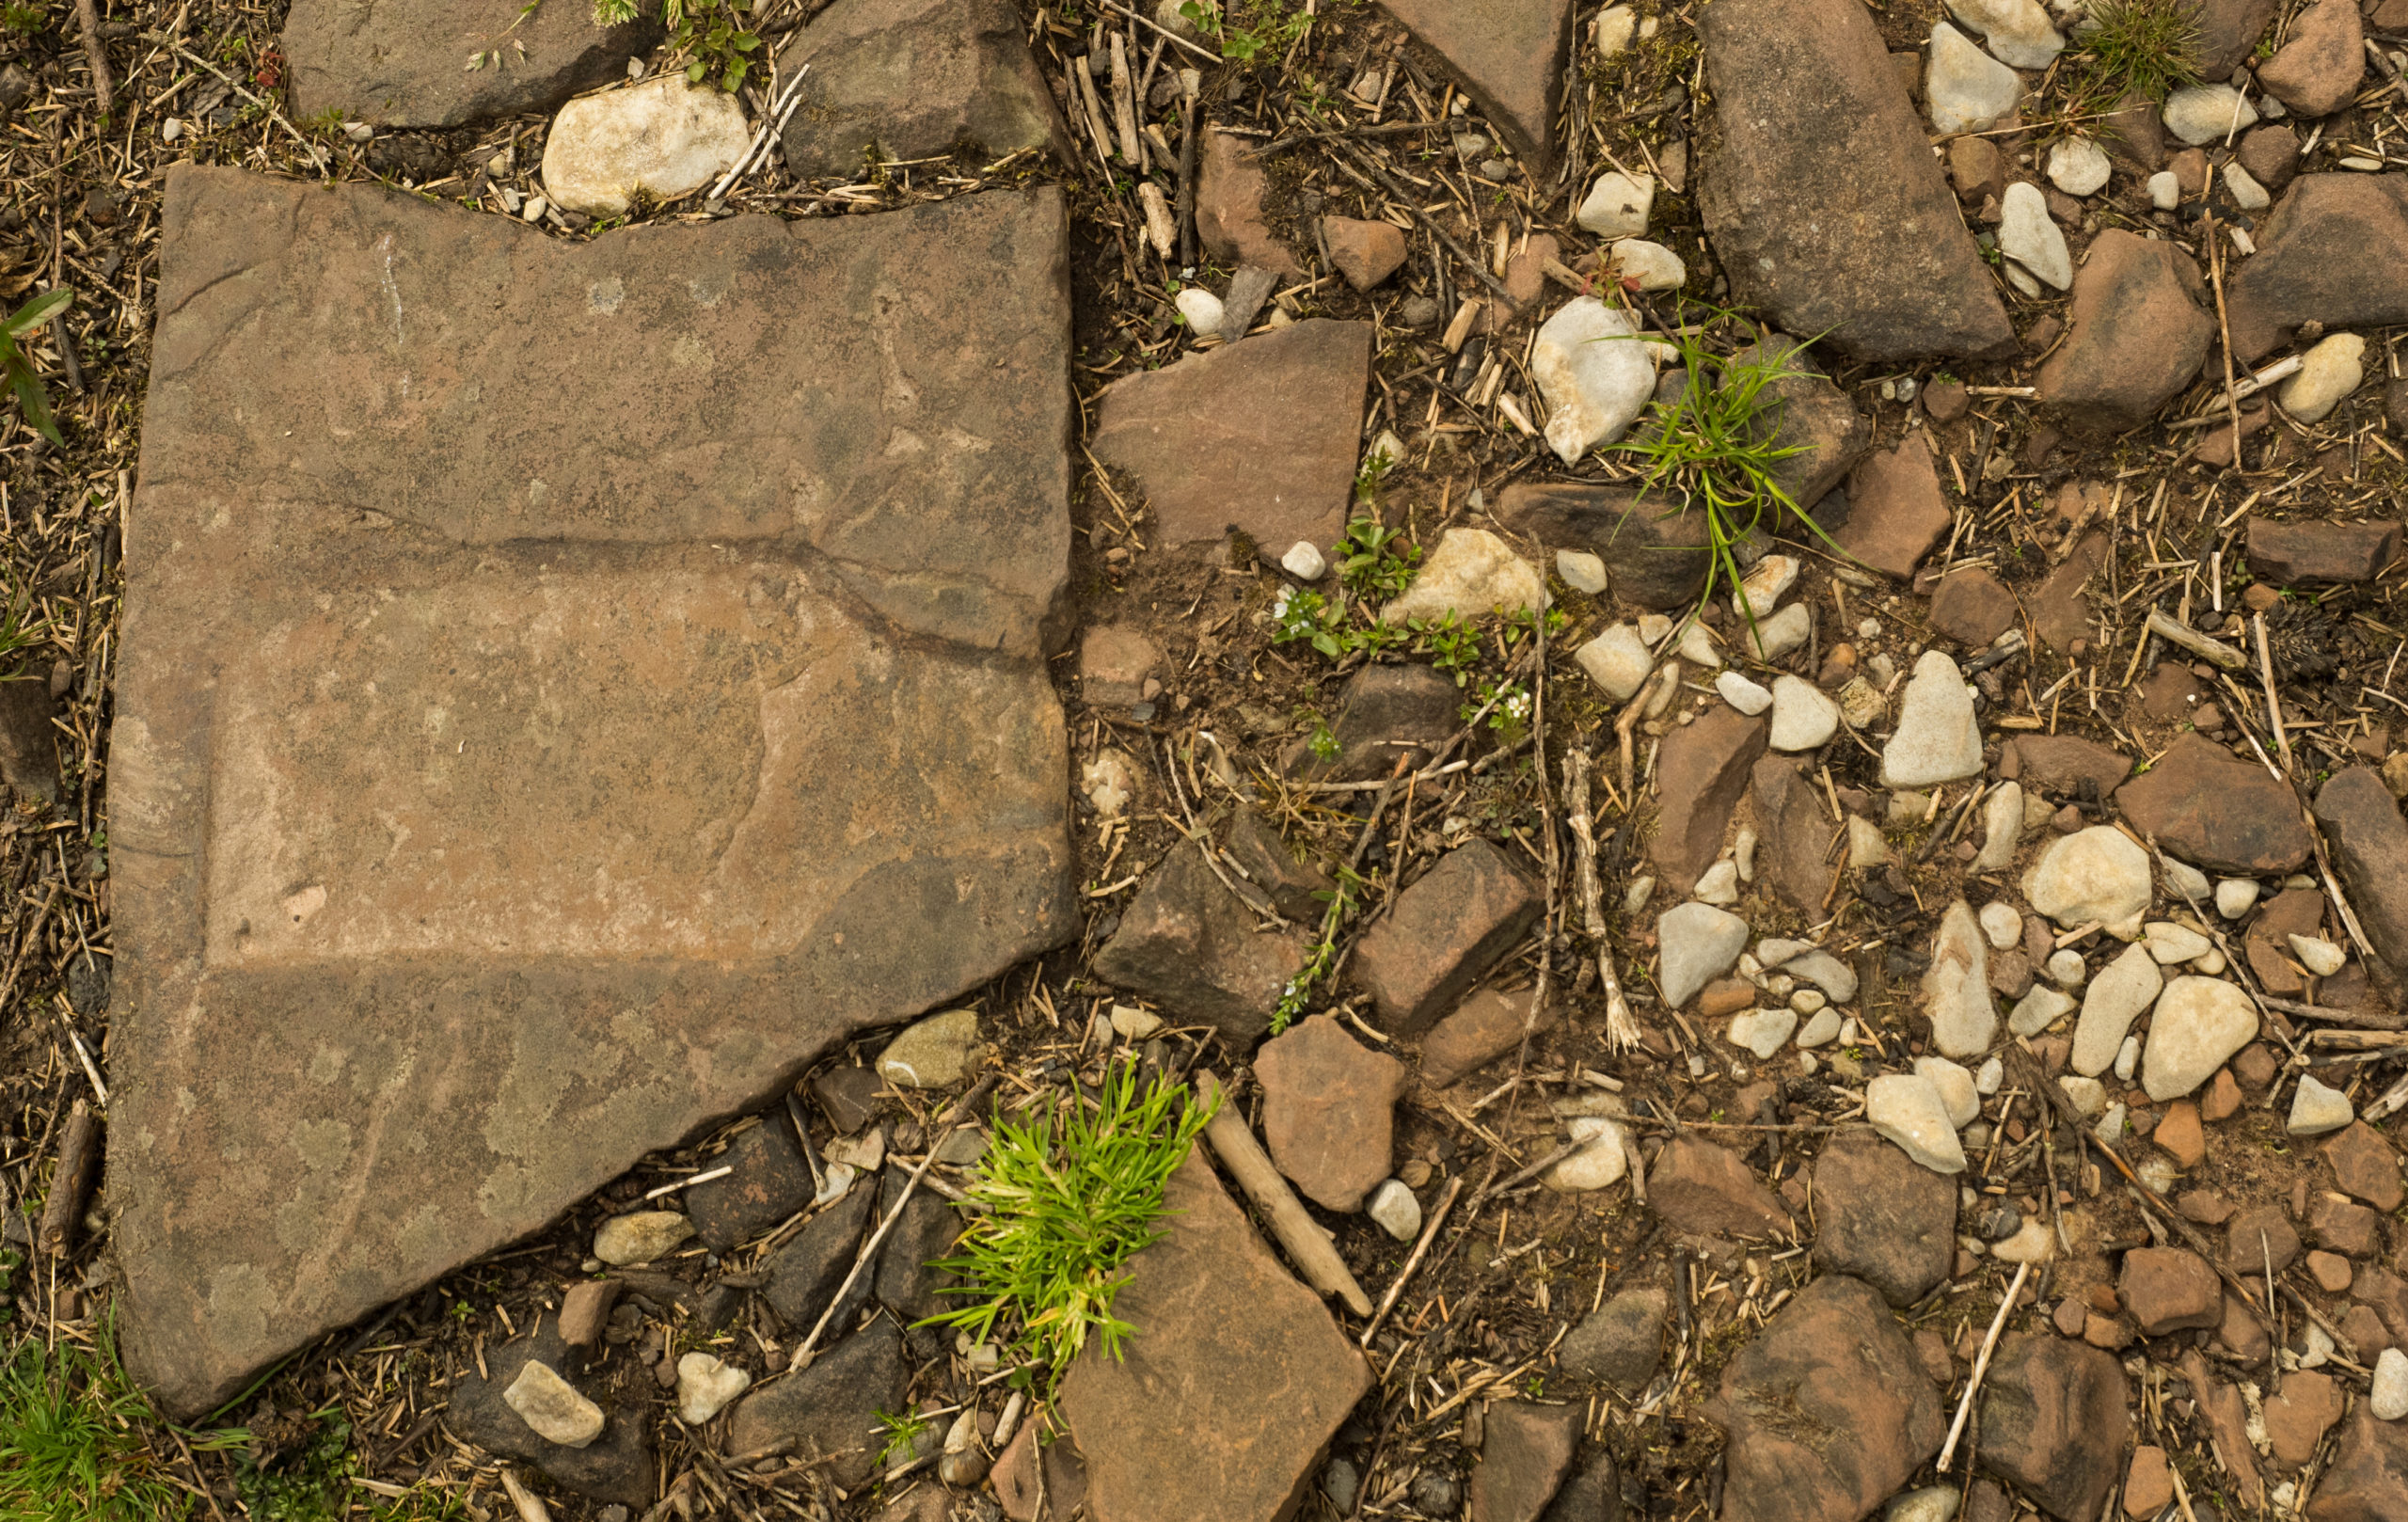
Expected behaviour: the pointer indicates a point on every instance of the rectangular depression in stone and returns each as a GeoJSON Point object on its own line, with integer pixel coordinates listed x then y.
{"type": "Point", "coordinates": [565, 688]}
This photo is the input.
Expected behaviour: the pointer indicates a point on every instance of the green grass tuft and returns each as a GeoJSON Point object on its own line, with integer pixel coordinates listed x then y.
{"type": "Point", "coordinates": [73, 1444]}
{"type": "Point", "coordinates": [1070, 1200]}
{"type": "Point", "coordinates": [2148, 48]}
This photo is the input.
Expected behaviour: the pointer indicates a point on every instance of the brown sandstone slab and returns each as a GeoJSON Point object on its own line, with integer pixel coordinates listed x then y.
{"type": "Point", "coordinates": [1327, 1106]}
{"type": "Point", "coordinates": [521, 762]}
{"type": "Point", "coordinates": [1259, 436]}
{"type": "Point", "coordinates": [1509, 56]}
{"type": "Point", "coordinates": [2216, 811]}
{"type": "Point", "coordinates": [2139, 334]}
{"type": "Point", "coordinates": [2369, 843]}
{"type": "Point", "coordinates": [1230, 1389]}
{"type": "Point", "coordinates": [398, 63]}
{"type": "Point", "coordinates": [1447, 929]}
{"type": "Point", "coordinates": [2289, 553]}
{"type": "Point", "coordinates": [1701, 773]}
{"type": "Point", "coordinates": [2328, 253]}
{"type": "Point", "coordinates": [1820, 193]}
{"type": "Point", "coordinates": [1895, 510]}
{"type": "Point", "coordinates": [2054, 1423]}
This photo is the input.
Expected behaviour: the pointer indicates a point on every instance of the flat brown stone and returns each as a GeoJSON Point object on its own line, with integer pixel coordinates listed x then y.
{"type": "Point", "coordinates": [1792, 851]}
{"type": "Point", "coordinates": [2139, 334]}
{"type": "Point", "coordinates": [2228, 1420]}
{"type": "Point", "coordinates": [2369, 844]}
{"type": "Point", "coordinates": [1700, 773]}
{"type": "Point", "coordinates": [2365, 1166]}
{"type": "Point", "coordinates": [483, 779]}
{"type": "Point", "coordinates": [2181, 1134]}
{"type": "Point", "coordinates": [1883, 1217]}
{"type": "Point", "coordinates": [2257, 1236]}
{"type": "Point", "coordinates": [2169, 1290]}
{"type": "Point", "coordinates": [2288, 554]}
{"type": "Point", "coordinates": [397, 63]}
{"type": "Point", "coordinates": [1189, 944]}
{"type": "Point", "coordinates": [1525, 1452]}
{"type": "Point", "coordinates": [2348, 1229]}
{"type": "Point", "coordinates": [2297, 1419]}
{"type": "Point", "coordinates": [2058, 765]}
{"type": "Point", "coordinates": [2054, 1423]}
{"type": "Point", "coordinates": [1971, 608]}
{"type": "Point", "coordinates": [1509, 56]}
{"type": "Point", "coordinates": [2216, 811]}
{"type": "Point", "coordinates": [2327, 253]}
{"type": "Point", "coordinates": [1706, 1190]}
{"type": "Point", "coordinates": [1820, 194]}
{"type": "Point", "coordinates": [1446, 929]}
{"type": "Point", "coordinates": [2061, 609]}
{"type": "Point", "coordinates": [1487, 1026]}
{"type": "Point", "coordinates": [1365, 252]}
{"type": "Point", "coordinates": [1229, 185]}
{"type": "Point", "coordinates": [2148, 1484]}
{"type": "Point", "coordinates": [1326, 1110]}
{"type": "Point", "coordinates": [2268, 947]}
{"type": "Point", "coordinates": [1895, 511]}
{"type": "Point", "coordinates": [2370, 1470]}
{"type": "Point", "coordinates": [1259, 435]}
{"type": "Point", "coordinates": [2321, 62]}
{"type": "Point", "coordinates": [914, 79]}
{"type": "Point", "coordinates": [1226, 1396]}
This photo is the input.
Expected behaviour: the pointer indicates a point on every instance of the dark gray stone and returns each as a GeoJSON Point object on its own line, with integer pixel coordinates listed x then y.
{"type": "Point", "coordinates": [1621, 1342]}
{"type": "Point", "coordinates": [914, 79]}
{"type": "Point", "coordinates": [1655, 550]}
{"type": "Point", "coordinates": [1188, 944]}
{"type": "Point", "coordinates": [616, 1467]}
{"type": "Point", "coordinates": [830, 1410]}
{"type": "Point", "coordinates": [770, 1182]}
{"type": "Point", "coordinates": [804, 1273]}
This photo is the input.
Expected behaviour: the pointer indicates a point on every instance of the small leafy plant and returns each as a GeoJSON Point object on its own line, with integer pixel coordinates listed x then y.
{"type": "Point", "coordinates": [713, 35]}
{"type": "Point", "coordinates": [2149, 48]}
{"type": "Point", "coordinates": [1298, 993]}
{"type": "Point", "coordinates": [25, 21]}
{"type": "Point", "coordinates": [1069, 1199]}
{"type": "Point", "coordinates": [902, 1434]}
{"type": "Point", "coordinates": [1319, 739]}
{"type": "Point", "coordinates": [1369, 564]}
{"type": "Point", "coordinates": [1510, 715]}
{"type": "Point", "coordinates": [20, 369]}
{"type": "Point", "coordinates": [1271, 27]}
{"type": "Point", "coordinates": [1452, 645]}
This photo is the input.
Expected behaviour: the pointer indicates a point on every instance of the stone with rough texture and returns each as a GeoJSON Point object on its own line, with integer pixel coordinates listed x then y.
{"type": "Point", "coordinates": [2138, 335]}
{"type": "Point", "coordinates": [2328, 253]}
{"type": "Point", "coordinates": [2388, 1399]}
{"type": "Point", "coordinates": [2318, 69]}
{"type": "Point", "coordinates": [551, 1406]}
{"type": "Point", "coordinates": [1966, 88]}
{"type": "Point", "coordinates": [1508, 56]}
{"type": "Point", "coordinates": [2229, 32]}
{"type": "Point", "coordinates": [1622, 1342]}
{"type": "Point", "coordinates": [1971, 608]}
{"type": "Point", "coordinates": [2030, 236]}
{"type": "Point", "coordinates": [806, 1272]}
{"type": "Point", "coordinates": [2317, 1109]}
{"type": "Point", "coordinates": [616, 1467]}
{"type": "Point", "coordinates": [1882, 1217]}
{"type": "Point", "coordinates": [1955, 987]}
{"type": "Point", "coordinates": [399, 65]}
{"type": "Point", "coordinates": [1828, 1411]}
{"type": "Point", "coordinates": [1444, 932]}
{"type": "Point", "coordinates": [1820, 194]}
{"type": "Point", "coordinates": [2328, 374]}
{"type": "Point", "coordinates": [2366, 1167]}
{"type": "Point", "coordinates": [2370, 1471]}
{"type": "Point", "coordinates": [1811, 416]}
{"type": "Point", "coordinates": [2197, 1024]}
{"type": "Point", "coordinates": [829, 1412]}
{"type": "Point", "coordinates": [2298, 1416]}
{"type": "Point", "coordinates": [1294, 885]}
{"type": "Point", "coordinates": [2095, 875]}
{"type": "Point", "coordinates": [1896, 513]}
{"type": "Point", "coordinates": [2114, 999]}
{"type": "Point", "coordinates": [2169, 1290]}
{"type": "Point", "coordinates": [1190, 944]}
{"type": "Point", "coordinates": [705, 1386]}
{"type": "Point", "coordinates": [935, 1052]}
{"type": "Point", "coordinates": [663, 137]}
{"type": "Point", "coordinates": [2059, 765]}
{"type": "Point", "coordinates": [1524, 1458]}
{"type": "Point", "coordinates": [1618, 661]}
{"type": "Point", "coordinates": [1327, 1111]}
{"type": "Point", "coordinates": [1262, 1376]}
{"type": "Point", "coordinates": [1700, 943]}
{"type": "Point", "coordinates": [2060, 610]}
{"type": "Point", "coordinates": [2017, 31]}
{"type": "Point", "coordinates": [2054, 1423]}
{"type": "Point", "coordinates": [1259, 435]}
{"type": "Point", "coordinates": [1937, 740]}
{"type": "Point", "coordinates": [1796, 831]}
{"type": "Point", "coordinates": [1654, 550]}
{"type": "Point", "coordinates": [1594, 373]}
{"type": "Point", "coordinates": [1487, 1026]}
{"type": "Point", "coordinates": [640, 1236]}
{"type": "Point", "coordinates": [1700, 773]}
{"type": "Point", "coordinates": [1907, 1109]}
{"type": "Point", "coordinates": [2289, 554]}
{"type": "Point", "coordinates": [1229, 185]}
{"type": "Point", "coordinates": [2370, 844]}
{"type": "Point", "coordinates": [1389, 712]}
{"type": "Point", "coordinates": [914, 79]}
{"type": "Point", "coordinates": [1365, 253]}
{"type": "Point", "coordinates": [2079, 167]}
{"type": "Point", "coordinates": [1616, 205]}
{"type": "Point", "coordinates": [1706, 1190]}
{"type": "Point", "coordinates": [770, 1182]}
{"type": "Point", "coordinates": [1473, 574]}
{"type": "Point", "coordinates": [2209, 807]}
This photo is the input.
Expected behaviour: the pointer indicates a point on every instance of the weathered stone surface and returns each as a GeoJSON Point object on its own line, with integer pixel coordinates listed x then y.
{"type": "Point", "coordinates": [1365, 252]}
{"type": "Point", "coordinates": [2288, 554]}
{"type": "Point", "coordinates": [397, 63]}
{"type": "Point", "coordinates": [1229, 217]}
{"type": "Point", "coordinates": [1115, 660]}
{"type": "Point", "coordinates": [1327, 1104]}
{"type": "Point", "coordinates": [2365, 1166]}
{"type": "Point", "coordinates": [1654, 550]}
{"type": "Point", "coordinates": [1264, 853]}
{"type": "Point", "coordinates": [1701, 773]}
{"type": "Point", "coordinates": [2317, 68]}
{"type": "Point", "coordinates": [2293, 911]}
{"type": "Point", "coordinates": [383, 877]}
{"type": "Point", "coordinates": [1814, 418]}
{"type": "Point", "coordinates": [1820, 194]}
{"type": "Point", "coordinates": [770, 1182]}
{"type": "Point", "coordinates": [2169, 1290]}
{"type": "Point", "coordinates": [2060, 610]}
{"type": "Point", "coordinates": [1621, 1342]}
{"type": "Point", "coordinates": [1710, 1191]}
{"type": "Point", "coordinates": [1262, 1376]}
{"type": "Point", "coordinates": [1446, 929]}
{"type": "Point", "coordinates": [805, 1272]}
{"type": "Point", "coordinates": [2059, 765]}
{"type": "Point", "coordinates": [1827, 1412]}
{"type": "Point", "coordinates": [1190, 944]}
{"type": "Point", "coordinates": [1883, 1217]}
{"type": "Point", "coordinates": [914, 79]}
{"type": "Point", "coordinates": [2138, 335]}
{"type": "Point", "coordinates": [1896, 513]}
{"type": "Point", "coordinates": [1524, 1458]}
{"type": "Point", "coordinates": [1383, 705]}
{"type": "Point", "coordinates": [2369, 1476]}
{"type": "Point", "coordinates": [1594, 1494]}
{"type": "Point", "coordinates": [2329, 253]}
{"type": "Point", "coordinates": [1971, 608]}
{"type": "Point", "coordinates": [1259, 436]}
{"type": "Point", "coordinates": [2054, 1423]}
{"type": "Point", "coordinates": [1509, 56]}
{"type": "Point", "coordinates": [2370, 844]}
{"type": "Point", "coordinates": [28, 744]}
{"type": "Point", "coordinates": [1794, 844]}
{"type": "Point", "coordinates": [2228, 33]}
{"type": "Point", "coordinates": [1487, 1026]}
{"type": "Point", "coordinates": [1020, 1488]}
{"type": "Point", "coordinates": [616, 1467]}
{"type": "Point", "coordinates": [2260, 1235]}
{"type": "Point", "coordinates": [2213, 810]}
{"type": "Point", "coordinates": [830, 1410]}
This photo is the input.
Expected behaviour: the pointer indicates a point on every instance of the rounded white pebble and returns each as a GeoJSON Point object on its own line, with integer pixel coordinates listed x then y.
{"type": "Point", "coordinates": [1396, 1210]}
{"type": "Point", "coordinates": [1303, 561]}
{"type": "Point", "coordinates": [2389, 1400]}
{"type": "Point", "coordinates": [1741, 693]}
{"type": "Point", "coordinates": [1201, 308]}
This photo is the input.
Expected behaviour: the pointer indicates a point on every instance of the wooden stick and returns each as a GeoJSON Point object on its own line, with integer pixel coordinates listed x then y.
{"type": "Point", "coordinates": [1981, 1366]}
{"type": "Point", "coordinates": [1124, 103]}
{"type": "Point", "coordinates": [70, 1186]}
{"type": "Point", "coordinates": [1622, 1032]}
{"type": "Point", "coordinates": [1309, 1246]}
{"type": "Point", "coordinates": [95, 53]}
{"type": "Point", "coordinates": [2273, 700]}
{"type": "Point", "coordinates": [531, 1506]}
{"type": "Point", "coordinates": [868, 1254]}
{"type": "Point", "coordinates": [1413, 1260]}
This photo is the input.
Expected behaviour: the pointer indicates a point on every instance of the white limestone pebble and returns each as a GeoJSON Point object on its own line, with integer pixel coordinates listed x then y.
{"type": "Point", "coordinates": [1966, 90]}
{"type": "Point", "coordinates": [1202, 310]}
{"type": "Point", "coordinates": [2388, 1397]}
{"type": "Point", "coordinates": [1956, 987]}
{"type": "Point", "coordinates": [1956, 1089]}
{"type": "Point", "coordinates": [2199, 1023]}
{"type": "Point", "coordinates": [2327, 373]}
{"type": "Point", "coordinates": [1594, 373]}
{"type": "Point", "coordinates": [1696, 943]}
{"type": "Point", "coordinates": [664, 136]}
{"type": "Point", "coordinates": [2037, 1010]}
{"type": "Point", "coordinates": [2318, 1108]}
{"type": "Point", "coordinates": [2234, 896]}
{"type": "Point", "coordinates": [2203, 113]}
{"type": "Point", "coordinates": [2001, 827]}
{"type": "Point", "coordinates": [1742, 694]}
{"type": "Point", "coordinates": [1581, 571]}
{"type": "Point", "coordinates": [1305, 561]}
{"type": "Point", "coordinates": [1937, 740]}
{"type": "Point", "coordinates": [2317, 954]}
{"type": "Point", "coordinates": [2094, 875]}
{"type": "Point", "coordinates": [1618, 661]}
{"type": "Point", "coordinates": [552, 1406]}
{"type": "Point", "coordinates": [1601, 1161]}
{"type": "Point", "coordinates": [1908, 1110]}
{"type": "Point", "coordinates": [2078, 166]}
{"type": "Point", "coordinates": [1616, 205]}
{"type": "Point", "coordinates": [2030, 236]}
{"type": "Point", "coordinates": [704, 1385]}
{"type": "Point", "coordinates": [1471, 573]}
{"type": "Point", "coordinates": [2002, 925]}
{"type": "Point", "coordinates": [2170, 943]}
{"type": "Point", "coordinates": [1396, 1211]}
{"type": "Point", "coordinates": [2115, 998]}
{"type": "Point", "coordinates": [640, 1237]}
{"type": "Point", "coordinates": [2165, 190]}
{"type": "Point", "coordinates": [1803, 718]}
{"type": "Point", "coordinates": [1764, 1031]}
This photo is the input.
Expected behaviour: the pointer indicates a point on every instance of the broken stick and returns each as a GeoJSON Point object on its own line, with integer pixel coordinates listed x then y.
{"type": "Point", "coordinates": [1307, 1245]}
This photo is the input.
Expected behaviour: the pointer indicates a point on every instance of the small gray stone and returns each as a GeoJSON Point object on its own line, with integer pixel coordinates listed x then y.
{"type": "Point", "coordinates": [2037, 1010]}
{"type": "Point", "coordinates": [2170, 944]}
{"type": "Point", "coordinates": [1616, 205]}
{"type": "Point", "coordinates": [1742, 694]}
{"type": "Point", "coordinates": [1966, 88]}
{"type": "Point", "coordinates": [2317, 1108]}
{"type": "Point", "coordinates": [1600, 1161]}
{"type": "Point", "coordinates": [1699, 944]}
{"type": "Point", "coordinates": [2389, 1396]}
{"type": "Point", "coordinates": [2001, 827]}
{"type": "Point", "coordinates": [1396, 1210]}
{"type": "Point", "coordinates": [2094, 875]}
{"type": "Point", "coordinates": [1908, 1110]}
{"type": "Point", "coordinates": [1956, 988]}
{"type": "Point", "coordinates": [1618, 661]}
{"type": "Point", "coordinates": [2115, 998]}
{"type": "Point", "coordinates": [2078, 166]}
{"type": "Point", "coordinates": [1622, 1342]}
{"type": "Point", "coordinates": [2235, 896]}
{"type": "Point", "coordinates": [2203, 113]}
{"type": "Point", "coordinates": [1581, 571]}
{"type": "Point", "coordinates": [1803, 718]}
{"type": "Point", "coordinates": [1786, 631]}
{"type": "Point", "coordinates": [2028, 235]}
{"type": "Point", "coordinates": [1765, 1032]}
{"type": "Point", "coordinates": [2199, 1023]}
{"type": "Point", "coordinates": [1936, 740]}
{"type": "Point", "coordinates": [2317, 954]}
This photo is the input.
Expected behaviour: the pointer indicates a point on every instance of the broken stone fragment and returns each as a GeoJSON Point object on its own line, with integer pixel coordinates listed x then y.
{"type": "Point", "coordinates": [1189, 945]}
{"type": "Point", "coordinates": [705, 1386]}
{"type": "Point", "coordinates": [662, 137]}
{"type": "Point", "coordinates": [640, 1237]}
{"type": "Point", "coordinates": [913, 79]}
{"type": "Point", "coordinates": [400, 65]}
{"type": "Point", "coordinates": [1444, 932]}
{"type": "Point", "coordinates": [1327, 1104]}
{"type": "Point", "coordinates": [552, 1408]}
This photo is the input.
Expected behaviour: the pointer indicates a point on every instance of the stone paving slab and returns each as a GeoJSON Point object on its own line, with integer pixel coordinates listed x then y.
{"type": "Point", "coordinates": [565, 689]}
{"type": "Point", "coordinates": [403, 63]}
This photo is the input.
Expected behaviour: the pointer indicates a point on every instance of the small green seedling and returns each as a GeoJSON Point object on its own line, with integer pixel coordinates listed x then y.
{"type": "Point", "coordinates": [20, 369]}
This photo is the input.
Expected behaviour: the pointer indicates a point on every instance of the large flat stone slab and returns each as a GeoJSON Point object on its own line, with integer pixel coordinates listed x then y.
{"type": "Point", "coordinates": [403, 63]}
{"type": "Point", "coordinates": [565, 689]}
{"type": "Point", "coordinates": [1820, 193]}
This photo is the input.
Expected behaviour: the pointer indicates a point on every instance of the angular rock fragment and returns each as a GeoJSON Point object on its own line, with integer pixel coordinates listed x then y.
{"type": "Point", "coordinates": [1896, 514]}
{"type": "Point", "coordinates": [400, 65]}
{"type": "Point", "coordinates": [2138, 335]}
{"type": "Point", "coordinates": [1883, 1217]}
{"type": "Point", "coordinates": [2317, 69]}
{"type": "Point", "coordinates": [1390, 713]}
{"type": "Point", "coordinates": [1524, 1458]}
{"type": "Point", "coordinates": [1327, 1104]}
{"type": "Point", "coordinates": [1707, 1190]}
{"type": "Point", "coordinates": [1701, 773]}
{"type": "Point", "coordinates": [663, 137]}
{"type": "Point", "coordinates": [1446, 929]}
{"type": "Point", "coordinates": [2213, 809]}
{"type": "Point", "coordinates": [1654, 551]}
{"type": "Point", "coordinates": [1621, 1343]}
{"type": "Point", "coordinates": [829, 1412]}
{"type": "Point", "coordinates": [616, 1466]}
{"type": "Point", "coordinates": [914, 79]}
{"type": "Point", "coordinates": [769, 1182]}
{"type": "Point", "coordinates": [1229, 186]}
{"type": "Point", "coordinates": [2329, 253]}
{"type": "Point", "coordinates": [2290, 554]}
{"type": "Point", "coordinates": [1487, 1026]}
{"type": "Point", "coordinates": [1188, 944]}
{"type": "Point", "coordinates": [1796, 832]}
{"type": "Point", "coordinates": [2054, 1423]}
{"type": "Point", "coordinates": [1509, 56]}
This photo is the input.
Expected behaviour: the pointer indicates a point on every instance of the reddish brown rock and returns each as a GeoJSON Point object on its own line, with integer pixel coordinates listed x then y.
{"type": "Point", "coordinates": [1390, 713]}
{"type": "Point", "coordinates": [1327, 1111]}
{"type": "Point", "coordinates": [2365, 1166]}
{"type": "Point", "coordinates": [1259, 436]}
{"type": "Point", "coordinates": [2318, 69]}
{"type": "Point", "coordinates": [1814, 418]}
{"type": "Point", "coordinates": [2271, 154]}
{"type": "Point", "coordinates": [1971, 607]}
{"type": "Point", "coordinates": [1508, 56]}
{"type": "Point", "coordinates": [2298, 1417]}
{"type": "Point", "coordinates": [2206, 805]}
{"type": "Point", "coordinates": [2293, 911]}
{"type": "Point", "coordinates": [1827, 1411]}
{"type": "Point", "coordinates": [1222, 1323]}
{"type": "Point", "coordinates": [1883, 1217]}
{"type": "Point", "coordinates": [2369, 846]}
{"type": "Point", "coordinates": [2148, 1485]}
{"type": "Point", "coordinates": [2180, 1134]}
{"type": "Point", "coordinates": [2170, 693]}
{"type": "Point", "coordinates": [1866, 245]}
{"type": "Point", "coordinates": [1296, 888]}
{"type": "Point", "coordinates": [2058, 765]}
{"type": "Point", "coordinates": [2364, 1328]}
{"type": "Point", "coordinates": [2054, 1423]}
{"type": "Point", "coordinates": [2257, 1235]}
{"type": "Point", "coordinates": [2169, 1290]}
{"type": "Point", "coordinates": [2382, 1292]}
{"type": "Point", "coordinates": [1188, 944]}
{"type": "Point", "coordinates": [2291, 554]}
{"type": "Point", "coordinates": [2370, 1471]}
{"type": "Point", "coordinates": [1976, 169]}
{"type": "Point", "coordinates": [1487, 1026]}
{"type": "Point", "coordinates": [1794, 833]}
{"type": "Point", "coordinates": [585, 1307]}
{"type": "Point", "coordinates": [1700, 775]}
{"type": "Point", "coordinates": [2331, 1271]}
{"type": "Point", "coordinates": [2216, 449]}
{"type": "Point", "coordinates": [1706, 1190]}
{"type": "Point", "coordinates": [2228, 34]}
{"type": "Point", "coordinates": [1365, 252]}
{"type": "Point", "coordinates": [1524, 1455]}
{"type": "Point", "coordinates": [1018, 1486]}
{"type": "Point", "coordinates": [2134, 133]}
{"type": "Point", "coordinates": [2060, 610]}
{"type": "Point", "coordinates": [2228, 1420]}
{"type": "Point", "coordinates": [2344, 1227]}
{"type": "Point", "coordinates": [2139, 335]}
{"type": "Point", "coordinates": [2328, 253]}
{"type": "Point", "coordinates": [2241, 1333]}
{"type": "Point", "coordinates": [1446, 929]}
{"type": "Point", "coordinates": [1622, 1342]}
{"type": "Point", "coordinates": [400, 65]}
{"type": "Point", "coordinates": [1229, 211]}
{"type": "Point", "coordinates": [1115, 660]}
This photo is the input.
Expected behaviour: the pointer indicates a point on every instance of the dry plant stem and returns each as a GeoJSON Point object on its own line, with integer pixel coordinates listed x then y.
{"type": "Point", "coordinates": [2214, 652]}
{"type": "Point", "coordinates": [1413, 1260]}
{"type": "Point", "coordinates": [1309, 1246]}
{"type": "Point", "coordinates": [2224, 327]}
{"type": "Point", "coordinates": [70, 1186]}
{"type": "Point", "coordinates": [1552, 914]}
{"type": "Point", "coordinates": [531, 1506]}
{"type": "Point", "coordinates": [868, 1254]}
{"type": "Point", "coordinates": [1981, 1366]}
{"type": "Point", "coordinates": [313, 151]}
{"type": "Point", "coordinates": [1622, 1031]}
{"type": "Point", "coordinates": [2273, 700]}
{"type": "Point", "coordinates": [88, 15]}
{"type": "Point", "coordinates": [1124, 99]}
